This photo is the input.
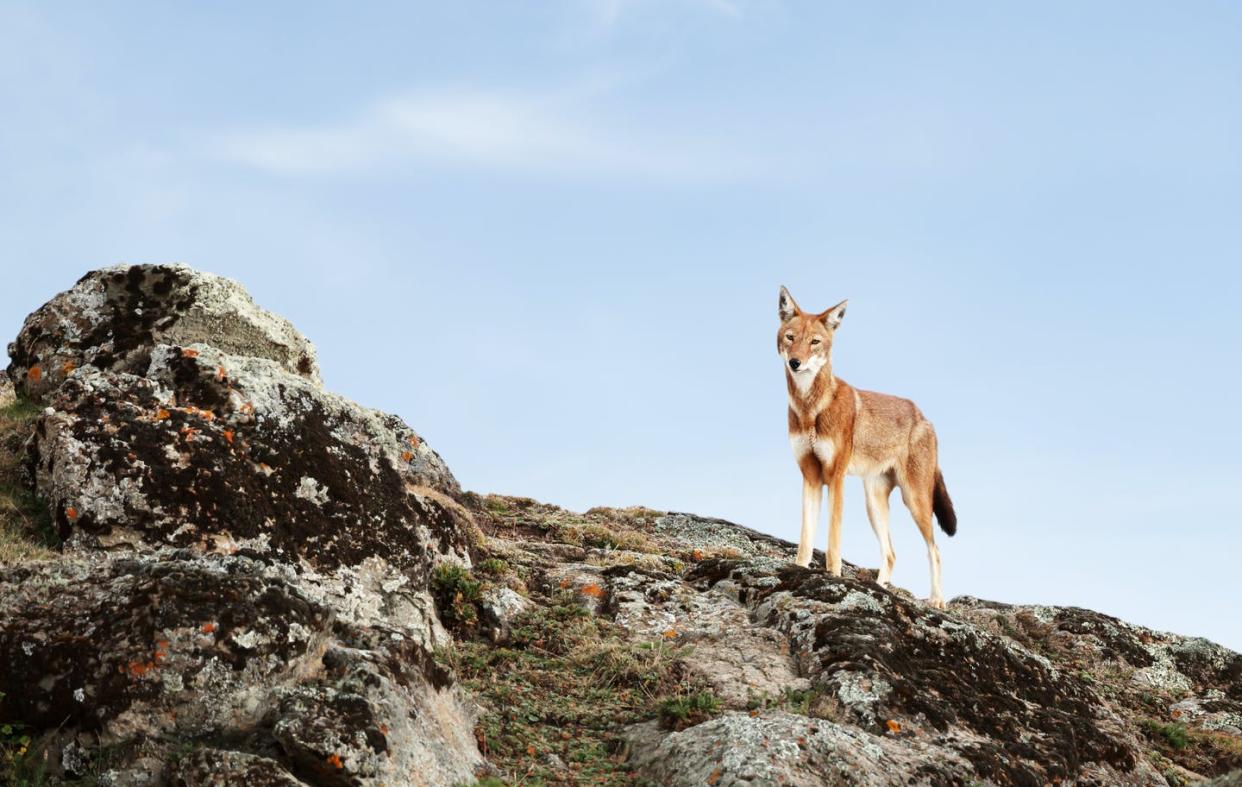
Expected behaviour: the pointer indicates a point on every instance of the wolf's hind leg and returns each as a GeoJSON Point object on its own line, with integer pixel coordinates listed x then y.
{"type": "Point", "coordinates": [877, 489]}
{"type": "Point", "coordinates": [916, 493]}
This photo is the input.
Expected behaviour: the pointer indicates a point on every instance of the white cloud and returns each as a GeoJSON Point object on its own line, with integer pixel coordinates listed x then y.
{"type": "Point", "coordinates": [510, 131]}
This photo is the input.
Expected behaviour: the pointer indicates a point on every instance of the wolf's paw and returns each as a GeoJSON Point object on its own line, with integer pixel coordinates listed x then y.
{"type": "Point", "coordinates": [936, 603]}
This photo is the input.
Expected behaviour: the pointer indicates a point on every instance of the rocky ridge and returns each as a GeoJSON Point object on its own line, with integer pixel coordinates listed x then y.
{"type": "Point", "coordinates": [257, 581]}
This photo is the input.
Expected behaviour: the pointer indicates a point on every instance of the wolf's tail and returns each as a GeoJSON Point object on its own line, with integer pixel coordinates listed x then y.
{"type": "Point", "coordinates": [943, 506]}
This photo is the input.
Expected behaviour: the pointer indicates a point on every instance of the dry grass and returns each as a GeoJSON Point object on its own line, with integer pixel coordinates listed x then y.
{"type": "Point", "coordinates": [26, 531]}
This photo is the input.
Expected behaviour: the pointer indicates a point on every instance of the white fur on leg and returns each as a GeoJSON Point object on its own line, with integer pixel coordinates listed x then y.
{"type": "Point", "coordinates": [832, 561]}
{"type": "Point", "coordinates": [933, 558]}
{"type": "Point", "coordinates": [877, 492]}
{"type": "Point", "coordinates": [811, 499]}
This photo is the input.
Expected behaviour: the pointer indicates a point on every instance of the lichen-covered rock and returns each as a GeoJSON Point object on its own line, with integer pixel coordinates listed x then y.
{"type": "Point", "coordinates": [7, 394]}
{"type": "Point", "coordinates": [131, 647]}
{"type": "Point", "coordinates": [499, 608]}
{"type": "Point", "coordinates": [377, 715]}
{"type": "Point", "coordinates": [1007, 711]}
{"type": "Point", "coordinates": [211, 767]}
{"type": "Point", "coordinates": [743, 662]}
{"type": "Point", "coordinates": [112, 318]}
{"type": "Point", "coordinates": [226, 453]}
{"type": "Point", "coordinates": [784, 748]}
{"type": "Point", "coordinates": [168, 649]}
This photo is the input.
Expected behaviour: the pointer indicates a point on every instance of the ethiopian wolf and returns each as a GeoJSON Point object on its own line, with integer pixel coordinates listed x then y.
{"type": "Point", "coordinates": [837, 429]}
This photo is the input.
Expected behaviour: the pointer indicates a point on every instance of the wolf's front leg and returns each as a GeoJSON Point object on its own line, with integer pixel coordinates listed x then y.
{"type": "Point", "coordinates": [812, 496]}
{"type": "Point", "coordinates": [836, 501]}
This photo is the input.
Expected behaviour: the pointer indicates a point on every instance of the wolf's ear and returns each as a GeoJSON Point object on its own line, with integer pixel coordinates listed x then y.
{"type": "Point", "coordinates": [788, 308]}
{"type": "Point", "coordinates": [832, 318]}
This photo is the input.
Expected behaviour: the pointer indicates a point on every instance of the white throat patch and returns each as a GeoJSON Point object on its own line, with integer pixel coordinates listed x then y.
{"type": "Point", "coordinates": [806, 374]}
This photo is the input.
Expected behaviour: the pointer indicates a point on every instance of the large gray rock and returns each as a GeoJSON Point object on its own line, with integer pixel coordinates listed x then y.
{"type": "Point", "coordinates": [160, 650]}
{"type": "Point", "coordinates": [247, 555]}
{"type": "Point", "coordinates": [112, 318]}
{"type": "Point", "coordinates": [211, 767]}
{"type": "Point", "coordinates": [226, 453]}
{"type": "Point", "coordinates": [889, 662]}
{"type": "Point", "coordinates": [784, 748]}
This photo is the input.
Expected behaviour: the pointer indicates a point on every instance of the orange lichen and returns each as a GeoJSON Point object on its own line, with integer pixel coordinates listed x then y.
{"type": "Point", "coordinates": [593, 590]}
{"type": "Point", "coordinates": [67, 367]}
{"type": "Point", "coordinates": [35, 374]}
{"type": "Point", "coordinates": [140, 668]}
{"type": "Point", "coordinates": [670, 634]}
{"type": "Point", "coordinates": [220, 375]}
{"type": "Point", "coordinates": [565, 583]}
{"type": "Point", "coordinates": [696, 555]}
{"type": "Point", "coordinates": [407, 456]}
{"type": "Point", "coordinates": [893, 726]}
{"type": "Point", "coordinates": [188, 353]}
{"type": "Point", "coordinates": [71, 513]}
{"type": "Point", "coordinates": [383, 729]}
{"type": "Point", "coordinates": [228, 436]}
{"type": "Point", "coordinates": [714, 778]}
{"type": "Point", "coordinates": [162, 414]}
{"type": "Point", "coordinates": [414, 440]}
{"type": "Point", "coordinates": [335, 762]}
{"type": "Point", "coordinates": [208, 628]}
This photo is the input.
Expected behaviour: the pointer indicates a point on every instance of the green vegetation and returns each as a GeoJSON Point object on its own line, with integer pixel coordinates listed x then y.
{"type": "Point", "coordinates": [813, 702]}
{"type": "Point", "coordinates": [14, 746]}
{"type": "Point", "coordinates": [678, 713]}
{"type": "Point", "coordinates": [26, 531]}
{"type": "Point", "coordinates": [1173, 734]}
{"type": "Point", "coordinates": [493, 566]}
{"type": "Point", "coordinates": [566, 684]}
{"type": "Point", "coordinates": [457, 593]}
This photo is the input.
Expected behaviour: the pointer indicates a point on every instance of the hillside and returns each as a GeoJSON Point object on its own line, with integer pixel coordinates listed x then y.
{"type": "Point", "coordinates": [214, 571]}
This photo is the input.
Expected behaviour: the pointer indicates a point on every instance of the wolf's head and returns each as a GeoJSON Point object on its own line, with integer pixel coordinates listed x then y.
{"type": "Point", "coordinates": [805, 340]}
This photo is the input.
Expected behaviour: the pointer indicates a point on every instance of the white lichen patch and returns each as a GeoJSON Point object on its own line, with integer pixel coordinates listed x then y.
{"type": "Point", "coordinates": [311, 490]}
{"type": "Point", "coordinates": [861, 693]}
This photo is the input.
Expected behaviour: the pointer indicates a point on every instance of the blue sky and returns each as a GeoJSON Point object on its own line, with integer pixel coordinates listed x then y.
{"type": "Point", "coordinates": [551, 236]}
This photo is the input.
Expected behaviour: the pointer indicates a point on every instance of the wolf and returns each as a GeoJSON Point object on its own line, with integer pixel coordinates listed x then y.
{"type": "Point", "coordinates": [837, 429]}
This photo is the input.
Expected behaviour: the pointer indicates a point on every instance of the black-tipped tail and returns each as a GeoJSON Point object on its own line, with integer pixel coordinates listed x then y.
{"type": "Point", "coordinates": [943, 506]}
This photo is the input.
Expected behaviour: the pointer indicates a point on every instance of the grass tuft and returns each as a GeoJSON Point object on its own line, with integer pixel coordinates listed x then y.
{"type": "Point", "coordinates": [678, 713]}
{"type": "Point", "coordinates": [26, 530]}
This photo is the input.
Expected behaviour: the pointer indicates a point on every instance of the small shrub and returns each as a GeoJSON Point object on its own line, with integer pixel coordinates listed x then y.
{"type": "Point", "coordinates": [457, 593]}
{"type": "Point", "coordinates": [1173, 734]}
{"type": "Point", "coordinates": [493, 566]}
{"type": "Point", "coordinates": [678, 713]}
{"type": "Point", "coordinates": [26, 528]}
{"type": "Point", "coordinates": [14, 745]}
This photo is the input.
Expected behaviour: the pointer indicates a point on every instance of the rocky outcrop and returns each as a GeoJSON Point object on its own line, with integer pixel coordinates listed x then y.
{"type": "Point", "coordinates": [224, 453]}
{"type": "Point", "coordinates": [247, 556]}
{"type": "Point", "coordinates": [112, 318]}
{"type": "Point", "coordinates": [261, 582]}
{"type": "Point", "coordinates": [827, 680]}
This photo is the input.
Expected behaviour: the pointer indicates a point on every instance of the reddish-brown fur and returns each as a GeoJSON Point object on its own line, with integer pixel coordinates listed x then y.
{"type": "Point", "coordinates": [836, 429]}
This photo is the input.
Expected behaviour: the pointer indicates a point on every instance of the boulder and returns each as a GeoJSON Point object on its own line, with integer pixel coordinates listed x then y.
{"type": "Point", "coordinates": [892, 664]}
{"type": "Point", "coordinates": [225, 453]}
{"type": "Point", "coordinates": [150, 652]}
{"type": "Point", "coordinates": [211, 767]}
{"type": "Point", "coordinates": [785, 748]}
{"type": "Point", "coordinates": [112, 317]}
{"type": "Point", "coordinates": [244, 595]}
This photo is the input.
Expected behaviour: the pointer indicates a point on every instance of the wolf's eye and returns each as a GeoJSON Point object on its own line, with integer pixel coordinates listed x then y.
{"type": "Point", "coordinates": [789, 337]}
{"type": "Point", "coordinates": [815, 341]}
